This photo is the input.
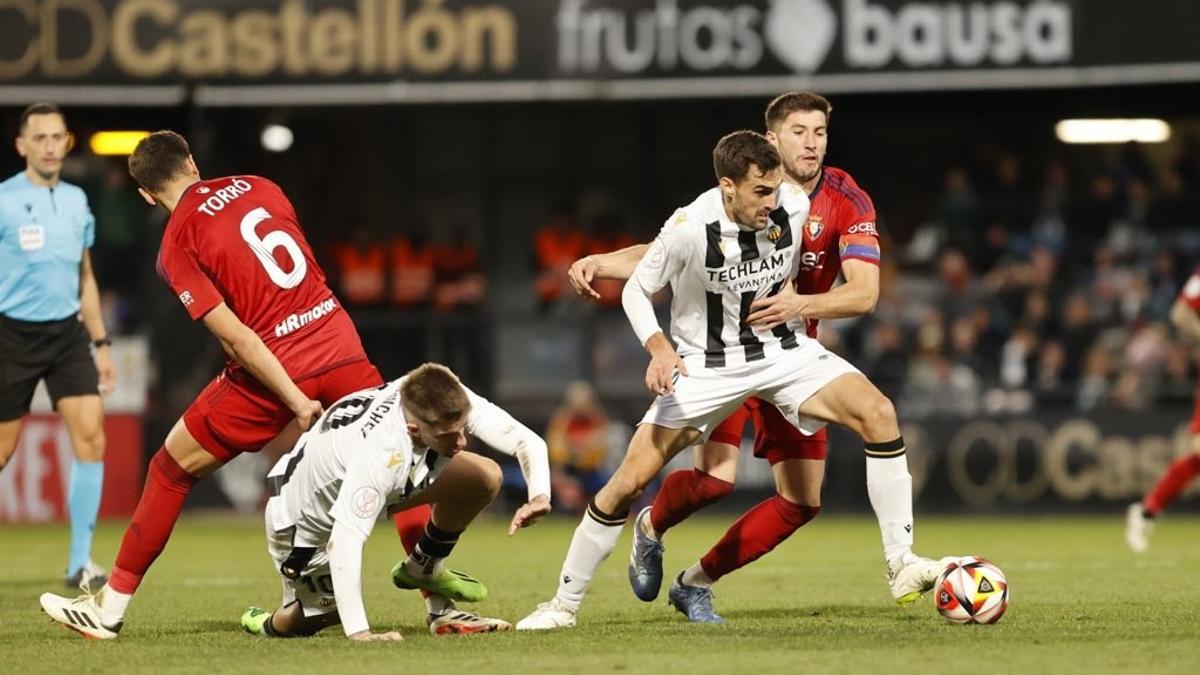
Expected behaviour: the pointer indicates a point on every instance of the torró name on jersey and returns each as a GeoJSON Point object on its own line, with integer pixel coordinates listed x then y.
{"type": "Point", "coordinates": [221, 196]}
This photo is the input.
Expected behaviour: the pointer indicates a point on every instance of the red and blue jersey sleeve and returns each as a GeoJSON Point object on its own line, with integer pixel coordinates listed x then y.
{"type": "Point", "coordinates": [854, 217]}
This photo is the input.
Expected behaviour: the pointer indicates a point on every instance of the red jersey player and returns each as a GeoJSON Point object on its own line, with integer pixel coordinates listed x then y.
{"type": "Point", "coordinates": [840, 237]}
{"type": "Point", "coordinates": [1139, 519]}
{"type": "Point", "coordinates": [235, 256]}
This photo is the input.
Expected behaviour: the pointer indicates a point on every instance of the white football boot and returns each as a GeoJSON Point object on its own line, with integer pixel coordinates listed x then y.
{"type": "Point", "coordinates": [911, 576]}
{"type": "Point", "coordinates": [1137, 528]}
{"type": "Point", "coordinates": [81, 614]}
{"type": "Point", "coordinates": [548, 615]}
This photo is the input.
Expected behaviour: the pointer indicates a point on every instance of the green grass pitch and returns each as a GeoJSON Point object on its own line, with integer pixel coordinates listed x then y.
{"type": "Point", "coordinates": [1081, 603]}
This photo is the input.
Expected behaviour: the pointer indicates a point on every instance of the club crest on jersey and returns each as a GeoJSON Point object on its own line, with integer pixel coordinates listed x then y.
{"type": "Point", "coordinates": [774, 232]}
{"type": "Point", "coordinates": [814, 227]}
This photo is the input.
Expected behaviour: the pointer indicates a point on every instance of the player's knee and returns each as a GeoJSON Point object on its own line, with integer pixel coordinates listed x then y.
{"type": "Point", "coordinates": [91, 446]}
{"type": "Point", "coordinates": [794, 514]}
{"type": "Point", "coordinates": [485, 478]}
{"type": "Point", "coordinates": [879, 417]}
{"type": "Point", "coordinates": [491, 478]}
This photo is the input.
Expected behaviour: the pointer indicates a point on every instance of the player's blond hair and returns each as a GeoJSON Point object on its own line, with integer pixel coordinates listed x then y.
{"type": "Point", "coordinates": [433, 394]}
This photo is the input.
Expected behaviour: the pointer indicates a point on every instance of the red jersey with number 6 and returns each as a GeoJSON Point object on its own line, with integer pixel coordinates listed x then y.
{"type": "Point", "coordinates": [237, 240]}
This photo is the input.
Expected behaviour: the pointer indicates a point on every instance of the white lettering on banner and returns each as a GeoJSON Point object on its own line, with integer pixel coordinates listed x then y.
{"type": "Point", "coordinates": [701, 38]}
{"type": "Point", "coordinates": [928, 34]}
{"type": "Point", "coordinates": [44, 450]}
{"type": "Point", "coordinates": [295, 322]}
{"type": "Point", "coordinates": [801, 34]}
{"type": "Point", "coordinates": [223, 196]}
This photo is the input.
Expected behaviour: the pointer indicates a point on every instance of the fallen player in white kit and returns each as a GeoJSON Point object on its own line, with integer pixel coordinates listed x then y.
{"type": "Point", "coordinates": [386, 450]}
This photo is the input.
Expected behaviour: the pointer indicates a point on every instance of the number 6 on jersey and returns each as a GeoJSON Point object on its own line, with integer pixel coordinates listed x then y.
{"type": "Point", "coordinates": [264, 247]}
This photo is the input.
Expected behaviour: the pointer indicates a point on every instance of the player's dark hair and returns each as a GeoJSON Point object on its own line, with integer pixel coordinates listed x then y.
{"type": "Point", "coordinates": [737, 151]}
{"type": "Point", "coordinates": [39, 108]}
{"type": "Point", "coordinates": [157, 159]}
{"type": "Point", "coordinates": [434, 394]}
{"type": "Point", "coordinates": [793, 101]}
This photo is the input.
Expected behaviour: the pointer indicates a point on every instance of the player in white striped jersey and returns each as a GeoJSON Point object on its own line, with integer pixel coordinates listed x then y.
{"type": "Point", "coordinates": [381, 451]}
{"type": "Point", "coordinates": [733, 244]}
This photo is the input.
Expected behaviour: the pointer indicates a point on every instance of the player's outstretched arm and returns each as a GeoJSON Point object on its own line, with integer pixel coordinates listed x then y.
{"type": "Point", "coordinates": [494, 426]}
{"type": "Point", "coordinates": [618, 265]}
{"type": "Point", "coordinates": [248, 349]}
{"type": "Point", "coordinates": [855, 297]}
{"type": "Point", "coordinates": [529, 513]}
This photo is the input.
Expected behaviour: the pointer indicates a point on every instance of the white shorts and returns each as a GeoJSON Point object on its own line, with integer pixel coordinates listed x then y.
{"type": "Point", "coordinates": [707, 396]}
{"type": "Point", "coordinates": [314, 587]}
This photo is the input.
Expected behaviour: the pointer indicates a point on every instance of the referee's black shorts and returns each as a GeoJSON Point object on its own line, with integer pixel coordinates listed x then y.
{"type": "Point", "coordinates": [58, 352]}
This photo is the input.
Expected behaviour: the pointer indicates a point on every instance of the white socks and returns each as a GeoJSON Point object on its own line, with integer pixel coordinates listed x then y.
{"type": "Point", "coordinates": [438, 604]}
{"type": "Point", "coordinates": [889, 487]}
{"type": "Point", "coordinates": [594, 540]}
{"type": "Point", "coordinates": [112, 604]}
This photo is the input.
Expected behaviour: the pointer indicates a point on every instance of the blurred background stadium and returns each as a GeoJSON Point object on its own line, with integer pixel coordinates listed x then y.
{"type": "Point", "coordinates": [449, 159]}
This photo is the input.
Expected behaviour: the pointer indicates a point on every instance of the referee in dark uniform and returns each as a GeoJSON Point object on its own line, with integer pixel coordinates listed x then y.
{"type": "Point", "coordinates": [50, 323]}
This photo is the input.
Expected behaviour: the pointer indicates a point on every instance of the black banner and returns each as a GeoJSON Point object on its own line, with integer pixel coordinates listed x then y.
{"type": "Point", "coordinates": [1047, 462]}
{"type": "Point", "coordinates": [370, 51]}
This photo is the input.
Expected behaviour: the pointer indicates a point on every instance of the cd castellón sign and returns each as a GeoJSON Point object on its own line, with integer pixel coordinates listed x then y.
{"type": "Point", "coordinates": [177, 39]}
{"type": "Point", "coordinates": [380, 51]}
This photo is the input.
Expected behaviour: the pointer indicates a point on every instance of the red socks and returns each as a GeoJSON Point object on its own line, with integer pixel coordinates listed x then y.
{"type": "Point", "coordinates": [1178, 475]}
{"type": "Point", "coordinates": [167, 487]}
{"type": "Point", "coordinates": [755, 534]}
{"type": "Point", "coordinates": [683, 493]}
{"type": "Point", "coordinates": [410, 525]}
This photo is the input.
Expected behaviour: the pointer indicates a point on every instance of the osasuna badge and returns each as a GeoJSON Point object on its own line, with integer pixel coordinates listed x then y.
{"type": "Point", "coordinates": [814, 227]}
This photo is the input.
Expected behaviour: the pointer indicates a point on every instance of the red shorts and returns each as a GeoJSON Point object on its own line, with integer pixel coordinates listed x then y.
{"type": "Point", "coordinates": [235, 413]}
{"type": "Point", "coordinates": [775, 439]}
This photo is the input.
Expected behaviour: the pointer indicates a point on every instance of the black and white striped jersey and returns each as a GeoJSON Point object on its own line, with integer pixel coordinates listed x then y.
{"type": "Point", "coordinates": [359, 460]}
{"type": "Point", "coordinates": [716, 268]}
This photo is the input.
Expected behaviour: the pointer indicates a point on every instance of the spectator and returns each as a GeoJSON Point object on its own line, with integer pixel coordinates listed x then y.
{"type": "Point", "coordinates": [360, 268]}
{"type": "Point", "coordinates": [578, 440]}
{"type": "Point", "coordinates": [412, 269]}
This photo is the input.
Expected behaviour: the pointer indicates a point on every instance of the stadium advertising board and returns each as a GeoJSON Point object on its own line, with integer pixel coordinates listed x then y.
{"type": "Point", "coordinates": [34, 485]}
{"type": "Point", "coordinates": [370, 51]}
{"type": "Point", "coordinates": [1022, 463]}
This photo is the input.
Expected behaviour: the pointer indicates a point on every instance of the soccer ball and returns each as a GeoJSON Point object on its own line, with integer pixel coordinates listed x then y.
{"type": "Point", "coordinates": [971, 590]}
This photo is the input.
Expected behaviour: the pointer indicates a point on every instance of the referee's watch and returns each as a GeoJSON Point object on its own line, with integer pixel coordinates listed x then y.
{"type": "Point", "coordinates": [102, 342]}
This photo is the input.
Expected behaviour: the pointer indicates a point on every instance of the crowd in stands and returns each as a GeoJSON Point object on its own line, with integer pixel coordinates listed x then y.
{"type": "Point", "coordinates": [1043, 291]}
{"type": "Point", "coordinates": [407, 271]}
